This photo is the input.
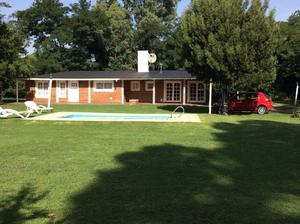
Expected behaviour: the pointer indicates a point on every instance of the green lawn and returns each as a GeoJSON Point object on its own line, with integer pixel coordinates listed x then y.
{"type": "Point", "coordinates": [227, 169]}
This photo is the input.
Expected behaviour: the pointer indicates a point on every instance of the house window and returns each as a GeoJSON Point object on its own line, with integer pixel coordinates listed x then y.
{"type": "Point", "coordinates": [172, 91]}
{"type": "Point", "coordinates": [135, 86]}
{"type": "Point", "coordinates": [62, 91]}
{"type": "Point", "coordinates": [196, 92]}
{"type": "Point", "coordinates": [103, 86]}
{"type": "Point", "coordinates": [41, 89]}
{"type": "Point", "coordinates": [74, 85]}
{"type": "Point", "coordinates": [149, 85]}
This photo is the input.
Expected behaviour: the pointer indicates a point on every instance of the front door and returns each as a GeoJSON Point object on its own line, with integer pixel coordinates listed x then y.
{"type": "Point", "coordinates": [173, 91]}
{"type": "Point", "coordinates": [73, 94]}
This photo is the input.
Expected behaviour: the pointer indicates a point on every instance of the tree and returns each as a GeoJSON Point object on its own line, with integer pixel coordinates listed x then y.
{"type": "Point", "coordinates": [90, 36]}
{"type": "Point", "coordinates": [4, 4]}
{"type": "Point", "coordinates": [45, 22]}
{"type": "Point", "coordinates": [153, 23]}
{"type": "Point", "coordinates": [120, 47]}
{"type": "Point", "coordinates": [104, 36]}
{"type": "Point", "coordinates": [12, 44]}
{"type": "Point", "coordinates": [289, 54]}
{"type": "Point", "coordinates": [42, 18]}
{"type": "Point", "coordinates": [231, 41]}
{"type": "Point", "coordinates": [165, 10]}
{"type": "Point", "coordinates": [66, 38]}
{"type": "Point", "coordinates": [172, 50]}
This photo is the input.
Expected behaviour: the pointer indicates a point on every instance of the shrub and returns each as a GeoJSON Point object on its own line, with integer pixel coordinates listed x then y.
{"type": "Point", "coordinates": [296, 113]}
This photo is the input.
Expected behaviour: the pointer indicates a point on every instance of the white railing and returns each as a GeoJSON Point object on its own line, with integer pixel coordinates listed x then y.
{"type": "Point", "coordinates": [177, 108]}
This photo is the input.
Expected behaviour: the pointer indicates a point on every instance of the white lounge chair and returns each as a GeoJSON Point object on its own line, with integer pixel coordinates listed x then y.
{"type": "Point", "coordinates": [9, 112]}
{"type": "Point", "coordinates": [32, 106]}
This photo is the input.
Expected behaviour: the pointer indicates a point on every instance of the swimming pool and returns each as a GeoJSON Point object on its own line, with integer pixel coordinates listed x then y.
{"type": "Point", "coordinates": [117, 116]}
{"type": "Point", "coordinates": [85, 116]}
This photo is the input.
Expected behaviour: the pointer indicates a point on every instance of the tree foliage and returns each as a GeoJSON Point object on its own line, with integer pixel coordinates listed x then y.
{"type": "Point", "coordinates": [153, 24]}
{"type": "Point", "coordinates": [89, 37]}
{"type": "Point", "coordinates": [231, 41]}
{"type": "Point", "coordinates": [165, 10]}
{"type": "Point", "coordinates": [104, 36]}
{"type": "Point", "coordinates": [42, 18]}
{"type": "Point", "coordinates": [12, 43]}
{"type": "Point", "coordinates": [120, 47]}
{"type": "Point", "coordinates": [289, 54]}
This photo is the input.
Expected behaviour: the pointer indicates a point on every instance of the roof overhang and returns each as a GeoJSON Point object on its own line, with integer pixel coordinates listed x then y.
{"type": "Point", "coordinates": [115, 75]}
{"type": "Point", "coordinates": [102, 79]}
{"type": "Point", "coordinates": [65, 79]}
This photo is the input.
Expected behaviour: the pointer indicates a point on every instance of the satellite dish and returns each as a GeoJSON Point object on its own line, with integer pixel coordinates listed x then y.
{"type": "Point", "coordinates": [152, 58]}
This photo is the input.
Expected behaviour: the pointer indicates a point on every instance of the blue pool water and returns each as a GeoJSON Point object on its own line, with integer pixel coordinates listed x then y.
{"type": "Point", "coordinates": [117, 116]}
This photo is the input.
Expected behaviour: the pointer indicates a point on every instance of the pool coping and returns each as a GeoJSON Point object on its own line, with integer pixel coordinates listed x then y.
{"type": "Point", "coordinates": [58, 116]}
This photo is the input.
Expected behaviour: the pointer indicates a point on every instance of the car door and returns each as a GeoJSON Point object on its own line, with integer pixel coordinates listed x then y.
{"type": "Point", "coordinates": [234, 103]}
{"type": "Point", "coordinates": [251, 102]}
{"type": "Point", "coordinates": [241, 102]}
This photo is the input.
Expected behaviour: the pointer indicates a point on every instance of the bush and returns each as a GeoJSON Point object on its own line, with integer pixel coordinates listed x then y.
{"type": "Point", "coordinates": [296, 113]}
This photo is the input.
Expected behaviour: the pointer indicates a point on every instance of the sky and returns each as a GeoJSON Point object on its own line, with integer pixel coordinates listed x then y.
{"type": "Point", "coordinates": [284, 8]}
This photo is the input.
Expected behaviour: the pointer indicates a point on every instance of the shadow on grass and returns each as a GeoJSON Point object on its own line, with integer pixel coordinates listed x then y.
{"type": "Point", "coordinates": [197, 109]}
{"type": "Point", "coordinates": [20, 208]}
{"type": "Point", "coordinates": [252, 177]}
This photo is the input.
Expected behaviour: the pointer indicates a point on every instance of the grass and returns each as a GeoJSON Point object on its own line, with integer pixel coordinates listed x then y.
{"type": "Point", "coordinates": [234, 169]}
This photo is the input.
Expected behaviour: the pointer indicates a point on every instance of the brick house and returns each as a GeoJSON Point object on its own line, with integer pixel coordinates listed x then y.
{"type": "Point", "coordinates": [118, 87]}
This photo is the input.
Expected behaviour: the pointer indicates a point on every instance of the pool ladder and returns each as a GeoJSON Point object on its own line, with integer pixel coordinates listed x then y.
{"type": "Point", "coordinates": [177, 108]}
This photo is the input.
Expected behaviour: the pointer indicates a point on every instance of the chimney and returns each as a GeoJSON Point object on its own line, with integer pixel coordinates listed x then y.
{"type": "Point", "coordinates": [143, 64]}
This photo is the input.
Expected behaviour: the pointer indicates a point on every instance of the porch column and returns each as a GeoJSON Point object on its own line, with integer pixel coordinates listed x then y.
{"type": "Point", "coordinates": [122, 92]}
{"type": "Point", "coordinates": [49, 90]}
{"type": "Point", "coordinates": [57, 91]}
{"type": "Point", "coordinates": [153, 92]}
{"type": "Point", "coordinates": [89, 92]}
{"type": "Point", "coordinates": [296, 94]}
{"type": "Point", "coordinates": [184, 92]}
{"type": "Point", "coordinates": [17, 91]}
{"type": "Point", "coordinates": [210, 96]}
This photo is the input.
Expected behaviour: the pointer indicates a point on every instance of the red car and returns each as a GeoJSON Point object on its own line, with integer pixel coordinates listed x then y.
{"type": "Point", "coordinates": [248, 101]}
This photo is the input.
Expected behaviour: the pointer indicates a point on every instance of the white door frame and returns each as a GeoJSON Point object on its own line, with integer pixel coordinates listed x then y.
{"type": "Point", "coordinates": [165, 91]}
{"type": "Point", "coordinates": [71, 91]}
{"type": "Point", "coordinates": [58, 88]}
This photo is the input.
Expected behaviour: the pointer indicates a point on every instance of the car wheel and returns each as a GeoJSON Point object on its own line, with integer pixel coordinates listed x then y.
{"type": "Point", "coordinates": [261, 110]}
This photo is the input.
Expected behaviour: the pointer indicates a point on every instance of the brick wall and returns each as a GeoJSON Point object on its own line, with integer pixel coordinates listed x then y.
{"type": "Point", "coordinates": [108, 97]}
{"type": "Point", "coordinates": [142, 95]}
{"type": "Point", "coordinates": [146, 96]}
{"type": "Point", "coordinates": [83, 91]}
{"type": "Point", "coordinates": [30, 86]}
{"type": "Point", "coordinates": [96, 97]}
